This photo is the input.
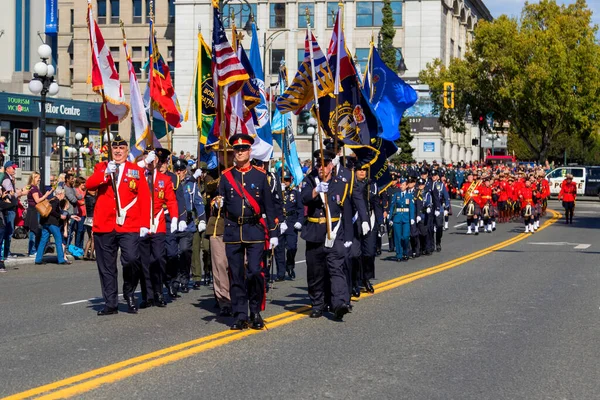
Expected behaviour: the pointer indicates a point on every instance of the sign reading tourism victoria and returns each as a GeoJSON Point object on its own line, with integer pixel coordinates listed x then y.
{"type": "Point", "coordinates": [29, 106]}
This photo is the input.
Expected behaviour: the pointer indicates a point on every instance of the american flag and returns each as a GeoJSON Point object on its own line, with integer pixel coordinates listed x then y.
{"type": "Point", "coordinates": [229, 71]}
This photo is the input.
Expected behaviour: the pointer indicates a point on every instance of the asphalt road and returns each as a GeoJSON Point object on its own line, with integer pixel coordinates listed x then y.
{"type": "Point", "coordinates": [514, 321]}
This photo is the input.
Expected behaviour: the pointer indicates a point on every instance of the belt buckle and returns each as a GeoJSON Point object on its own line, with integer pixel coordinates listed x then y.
{"type": "Point", "coordinates": [322, 220]}
{"type": "Point", "coordinates": [240, 220]}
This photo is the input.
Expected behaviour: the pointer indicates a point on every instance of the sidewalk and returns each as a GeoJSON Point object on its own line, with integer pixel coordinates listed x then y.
{"type": "Point", "coordinates": [18, 247]}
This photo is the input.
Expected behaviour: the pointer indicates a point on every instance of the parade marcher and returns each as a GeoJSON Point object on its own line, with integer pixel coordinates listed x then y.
{"type": "Point", "coordinates": [152, 246]}
{"type": "Point", "coordinates": [415, 245]}
{"type": "Point", "coordinates": [368, 245]}
{"type": "Point", "coordinates": [470, 195]}
{"type": "Point", "coordinates": [441, 205]}
{"type": "Point", "coordinates": [527, 204]}
{"type": "Point", "coordinates": [568, 195]}
{"type": "Point", "coordinates": [485, 204]}
{"type": "Point", "coordinates": [186, 226]}
{"type": "Point", "coordinates": [119, 229]}
{"type": "Point", "coordinates": [328, 235]}
{"type": "Point", "coordinates": [293, 211]}
{"type": "Point", "coordinates": [402, 212]}
{"type": "Point", "coordinates": [198, 243]}
{"type": "Point", "coordinates": [423, 203]}
{"type": "Point", "coordinates": [172, 248]}
{"type": "Point", "coordinates": [246, 197]}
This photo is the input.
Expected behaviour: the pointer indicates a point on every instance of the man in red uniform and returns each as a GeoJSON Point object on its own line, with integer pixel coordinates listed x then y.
{"type": "Point", "coordinates": [485, 199]}
{"type": "Point", "coordinates": [122, 230]}
{"type": "Point", "coordinates": [545, 190]}
{"type": "Point", "coordinates": [568, 194]}
{"type": "Point", "coordinates": [153, 253]}
{"type": "Point", "coordinates": [526, 201]}
{"type": "Point", "coordinates": [503, 189]}
{"type": "Point", "coordinates": [471, 205]}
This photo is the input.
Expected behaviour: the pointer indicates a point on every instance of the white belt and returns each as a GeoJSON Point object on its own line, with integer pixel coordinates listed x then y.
{"type": "Point", "coordinates": [123, 212]}
{"type": "Point", "coordinates": [156, 220]}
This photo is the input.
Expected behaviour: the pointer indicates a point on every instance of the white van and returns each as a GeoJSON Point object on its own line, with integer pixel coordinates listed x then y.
{"type": "Point", "coordinates": [586, 178]}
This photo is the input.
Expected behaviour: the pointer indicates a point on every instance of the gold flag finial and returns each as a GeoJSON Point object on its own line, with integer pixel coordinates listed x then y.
{"type": "Point", "coordinates": [307, 13]}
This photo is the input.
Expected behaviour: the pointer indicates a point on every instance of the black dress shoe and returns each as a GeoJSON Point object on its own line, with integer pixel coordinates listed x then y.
{"type": "Point", "coordinates": [41, 263]}
{"type": "Point", "coordinates": [131, 307]}
{"type": "Point", "coordinates": [185, 289]}
{"type": "Point", "coordinates": [197, 285]}
{"type": "Point", "coordinates": [159, 301]}
{"type": "Point", "coordinates": [356, 291]}
{"type": "Point", "coordinates": [378, 253]}
{"type": "Point", "coordinates": [225, 312]}
{"type": "Point", "coordinates": [280, 279]}
{"type": "Point", "coordinates": [239, 325]}
{"type": "Point", "coordinates": [368, 286]}
{"type": "Point", "coordinates": [146, 304]}
{"type": "Point", "coordinates": [405, 258]}
{"type": "Point", "coordinates": [341, 311]}
{"type": "Point", "coordinates": [438, 248]}
{"type": "Point", "coordinates": [257, 321]}
{"type": "Point", "coordinates": [316, 314]}
{"type": "Point", "coordinates": [108, 311]}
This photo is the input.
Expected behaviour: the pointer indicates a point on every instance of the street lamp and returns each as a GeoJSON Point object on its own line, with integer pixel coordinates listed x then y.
{"type": "Point", "coordinates": [312, 130]}
{"type": "Point", "coordinates": [43, 84]}
{"type": "Point", "coordinates": [493, 138]}
{"type": "Point", "coordinates": [401, 67]}
{"type": "Point", "coordinates": [61, 132]}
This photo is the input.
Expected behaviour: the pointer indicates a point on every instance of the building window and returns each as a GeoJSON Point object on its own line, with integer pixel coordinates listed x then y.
{"type": "Point", "coordinates": [137, 67]}
{"type": "Point", "coordinates": [147, 52]}
{"type": "Point", "coordinates": [114, 52]}
{"type": "Point", "coordinates": [241, 14]}
{"type": "Point", "coordinates": [300, 57]}
{"type": "Point", "coordinates": [302, 14]}
{"type": "Point", "coordinates": [362, 56]}
{"type": "Point", "coordinates": [459, 52]}
{"type": "Point", "coordinates": [171, 65]}
{"type": "Point", "coordinates": [171, 11]}
{"type": "Point", "coordinates": [369, 14]}
{"type": "Point", "coordinates": [71, 59]}
{"type": "Point", "coordinates": [276, 56]}
{"type": "Point", "coordinates": [114, 11]}
{"type": "Point", "coordinates": [117, 67]}
{"type": "Point", "coordinates": [277, 15]}
{"type": "Point", "coordinates": [170, 52]}
{"type": "Point", "coordinates": [71, 75]}
{"type": "Point", "coordinates": [72, 19]}
{"type": "Point", "coordinates": [451, 49]}
{"type": "Point", "coordinates": [136, 52]}
{"type": "Point", "coordinates": [137, 11]}
{"type": "Point", "coordinates": [332, 8]}
{"type": "Point", "coordinates": [101, 11]}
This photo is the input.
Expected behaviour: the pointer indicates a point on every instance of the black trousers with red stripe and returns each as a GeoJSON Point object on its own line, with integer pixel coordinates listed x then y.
{"type": "Point", "coordinates": [246, 284]}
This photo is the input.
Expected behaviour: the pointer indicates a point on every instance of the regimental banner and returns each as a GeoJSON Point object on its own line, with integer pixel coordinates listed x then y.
{"type": "Point", "coordinates": [51, 17]}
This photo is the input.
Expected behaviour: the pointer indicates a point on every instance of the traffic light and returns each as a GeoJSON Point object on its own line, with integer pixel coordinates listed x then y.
{"type": "Point", "coordinates": [448, 95]}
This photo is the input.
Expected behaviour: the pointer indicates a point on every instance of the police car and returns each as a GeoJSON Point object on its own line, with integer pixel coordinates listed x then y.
{"type": "Point", "coordinates": [586, 178]}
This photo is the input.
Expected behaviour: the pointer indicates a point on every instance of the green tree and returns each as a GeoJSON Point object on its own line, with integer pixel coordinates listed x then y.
{"type": "Point", "coordinates": [387, 32]}
{"type": "Point", "coordinates": [539, 72]}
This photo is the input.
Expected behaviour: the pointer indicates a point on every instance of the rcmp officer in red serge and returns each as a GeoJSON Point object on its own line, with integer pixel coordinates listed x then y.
{"type": "Point", "coordinates": [152, 246]}
{"type": "Point", "coordinates": [246, 198]}
{"type": "Point", "coordinates": [325, 257]}
{"type": "Point", "coordinates": [122, 230]}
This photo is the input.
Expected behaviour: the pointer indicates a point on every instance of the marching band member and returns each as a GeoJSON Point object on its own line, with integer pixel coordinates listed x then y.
{"type": "Point", "coordinates": [470, 194]}
{"type": "Point", "coordinates": [293, 211]}
{"type": "Point", "coordinates": [119, 229]}
{"type": "Point", "coordinates": [527, 204]}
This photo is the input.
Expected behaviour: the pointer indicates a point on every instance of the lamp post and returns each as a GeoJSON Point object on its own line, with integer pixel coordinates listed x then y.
{"type": "Point", "coordinates": [267, 43]}
{"type": "Point", "coordinates": [61, 132]}
{"type": "Point", "coordinates": [493, 138]}
{"type": "Point", "coordinates": [401, 67]}
{"type": "Point", "coordinates": [312, 130]}
{"type": "Point", "coordinates": [43, 84]}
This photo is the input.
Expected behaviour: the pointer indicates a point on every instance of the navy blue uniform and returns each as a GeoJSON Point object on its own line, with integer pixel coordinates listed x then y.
{"type": "Point", "coordinates": [441, 203]}
{"type": "Point", "coordinates": [244, 237]}
{"type": "Point", "coordinates": [285, 252]}
{"type": "Point", "coordinates": [368, 242]}
{"type": "Point", "coordinates": [171, 239]}
{"type": "Point", "coordinates": [325, 264]}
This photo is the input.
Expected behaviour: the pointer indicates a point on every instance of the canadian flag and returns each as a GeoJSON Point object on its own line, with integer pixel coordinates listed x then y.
{"type": "Point", "coordinates": [105, 77]}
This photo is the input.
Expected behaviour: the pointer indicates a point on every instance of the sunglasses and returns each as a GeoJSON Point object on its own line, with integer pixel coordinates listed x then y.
{"type": "Point", "coordinates": [241, 148]}
{"type": "Point", "coordinates": [326, 164]}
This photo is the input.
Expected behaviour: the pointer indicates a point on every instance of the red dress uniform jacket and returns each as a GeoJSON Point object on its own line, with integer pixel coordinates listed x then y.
{"type": "Point", "coordinates": [526, 195]}
{"type": "Point", "coordinates": [568, 191]}
{"type": "Point", "coordinates": [545, 189]}
{"type": "Point", "coordinates": [503, 195]}
{"type": "Point", "coordinates": [133, 196]}
{"type": "Point", "coordinates": [164, 197]}
{"type": "Point", "coordinates": [485, 195]}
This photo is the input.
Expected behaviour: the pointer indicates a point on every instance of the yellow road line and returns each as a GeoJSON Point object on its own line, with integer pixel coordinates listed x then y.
{"type": "Point", "coordinates": [133, 366]}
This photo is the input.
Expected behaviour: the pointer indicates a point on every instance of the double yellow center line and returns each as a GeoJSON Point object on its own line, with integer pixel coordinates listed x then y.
{"type": "Point", "coordinates": [90, 380]}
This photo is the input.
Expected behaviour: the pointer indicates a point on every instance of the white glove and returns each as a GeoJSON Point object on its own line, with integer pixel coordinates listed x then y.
{"type": "Point", "coordinates": [347, 244]}
{"type": "Point", "coordinates": [182, 226]}
{"type": "Point", "coordinates": [428, 210]}
{"type": "Point", "coordinates": [150, 157]}
{"type": "Point", "coordinates": [336, 161]}
{"type": "Point", "coordinates": [437, 213]}
{"type": "Point", "coordinates": [174, 225]}
{"type": "Point", "coordinates": [283, 227]}
{"type": "Point", "coordinates": [111, 168]}
{"type": "Point", "coordinates": [197, 174]}
{"type": "Point", "coordinates": [298, 226]}
{"type": "Point", "coordinates": [273, 242]}
{"type": "Point", "coordinates": [201, 226]}
{"type": "Point", "coordinates": [322, 187]}
{"type": "Point", "coordinates": [412, 221]}
{"type": "Point", "coordinates": [445, 213]}
{"type": "Point", "coordinates": [391, 222]}
{"type": "Point", "coordinates": [144, 232]}
{"type": "Point", "coordinates": [418, 219]}
{"type": "Point", "coordinates": [365, 228]}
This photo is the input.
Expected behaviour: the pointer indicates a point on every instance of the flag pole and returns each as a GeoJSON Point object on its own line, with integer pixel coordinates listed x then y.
{"type": "Point", "coordinates": [316, 99]}
{"type": "Point", "coordinates": [151, 67]}
{"type": "Point", "coordinates": [337, 79]}
{"type": "Point", "coordinates": [284, 134]}
{"type": "Point", "coordinates": [200, 105]}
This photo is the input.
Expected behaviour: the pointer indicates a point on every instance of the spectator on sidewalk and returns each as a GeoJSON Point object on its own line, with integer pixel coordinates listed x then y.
{"type": "Point", "coordinates": [51, 226]}
{"type": "Point", "coordinates": [32, 219]}
{"type": "Point", "coordinates": [8, 184]}
{"type": "Point", "coordinates": [90, 203]}
{"type": "Point", "coordinates": [7, 203]}
{"type": "Point", "coordinates": [73, 198]}
{"type": "Point", "coordinates": [81, 211]}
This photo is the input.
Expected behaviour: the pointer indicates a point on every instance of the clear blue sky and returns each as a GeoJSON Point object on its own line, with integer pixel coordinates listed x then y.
{"type": "Point", "coordinates": [514, 7]}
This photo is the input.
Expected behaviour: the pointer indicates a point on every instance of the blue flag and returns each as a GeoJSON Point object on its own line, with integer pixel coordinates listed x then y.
{"type": "Point", "coordinates": [261, 111]}
{"type": "Point", "coordinates": [391, 96]}
{"type": "Point", "coordinates": [283, 134]}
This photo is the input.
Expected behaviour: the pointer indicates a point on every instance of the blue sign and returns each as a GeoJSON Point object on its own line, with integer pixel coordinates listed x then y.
{"type": "Point", "coordinates": [51, 17]}
{"type": "Point", "coordinates": [30, 106]}
{"type": "Point", "coordinates": [428, 147]}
